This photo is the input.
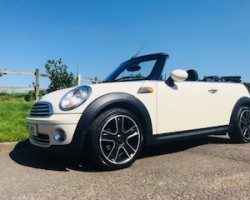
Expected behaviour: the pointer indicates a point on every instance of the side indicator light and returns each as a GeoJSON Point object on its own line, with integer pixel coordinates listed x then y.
{"type": "Point", "coordinates": [144, 90]}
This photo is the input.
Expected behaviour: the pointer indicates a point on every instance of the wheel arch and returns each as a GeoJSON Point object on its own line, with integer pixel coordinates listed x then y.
{"type": "Point", "coordinates": [110, 101]}
{"type": "Point", "coordinates": [244, 101]}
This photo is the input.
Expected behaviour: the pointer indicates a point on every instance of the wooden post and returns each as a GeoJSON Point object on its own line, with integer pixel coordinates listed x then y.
{"type": "Point", "coordinates": [37, 84]}
{"type": "Point", "coordinates": [79, 80]}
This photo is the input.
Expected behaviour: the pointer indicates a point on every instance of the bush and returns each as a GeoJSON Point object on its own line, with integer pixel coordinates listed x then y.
{"type": "Point", "coordinates": [16, 97]}
{"type": "Point", "coordinates": [31, 96]}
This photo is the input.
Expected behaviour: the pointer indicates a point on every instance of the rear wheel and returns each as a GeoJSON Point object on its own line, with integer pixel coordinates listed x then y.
{"type": "Point", "coordinates": [115, 139]}
{"type": "Point", "coordinates": [241, 129]}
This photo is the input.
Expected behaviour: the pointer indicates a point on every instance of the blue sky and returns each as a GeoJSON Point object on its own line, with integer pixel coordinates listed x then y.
{"type": "Point", "coordinates": [211, 36]}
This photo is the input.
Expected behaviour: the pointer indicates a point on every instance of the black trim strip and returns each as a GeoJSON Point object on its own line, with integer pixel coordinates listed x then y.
{"type": "Point", "coordinates": [176, 136]}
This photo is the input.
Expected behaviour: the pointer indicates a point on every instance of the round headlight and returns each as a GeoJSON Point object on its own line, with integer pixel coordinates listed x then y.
{"type": "Point", "coordinates": [75, 98]}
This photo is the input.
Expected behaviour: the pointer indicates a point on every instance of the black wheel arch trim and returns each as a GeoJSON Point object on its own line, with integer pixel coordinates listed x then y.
{"type": "Point", "coordinates": [244, 101]}
{"type": "Point", "coordinates": [106, 102]}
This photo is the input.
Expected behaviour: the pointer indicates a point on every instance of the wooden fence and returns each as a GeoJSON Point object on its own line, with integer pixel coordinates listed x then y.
{"type": "Point", "coordinates": [37, 75]}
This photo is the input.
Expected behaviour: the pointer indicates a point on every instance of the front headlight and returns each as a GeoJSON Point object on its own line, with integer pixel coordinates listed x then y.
{"type": "Point", "coordinates": [75, 98]}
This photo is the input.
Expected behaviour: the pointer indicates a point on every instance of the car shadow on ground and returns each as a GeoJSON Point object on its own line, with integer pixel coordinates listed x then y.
{"type": "Point", "coordinates": [178, 146]}
{"type": "Point", "coordinates": [25, 155]}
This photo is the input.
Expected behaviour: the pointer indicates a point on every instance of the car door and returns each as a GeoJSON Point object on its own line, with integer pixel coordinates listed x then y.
{"type": "Point", "coordinates": [187, 106]}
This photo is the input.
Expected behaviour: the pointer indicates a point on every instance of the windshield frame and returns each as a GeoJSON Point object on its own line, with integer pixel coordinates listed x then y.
{"type": "Point", "coordinates": [155, 74]}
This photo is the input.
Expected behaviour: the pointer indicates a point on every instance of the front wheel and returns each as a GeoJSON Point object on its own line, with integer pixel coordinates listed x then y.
{"type": "Point", "coordinates": [241, 126]}
{"type": "Point", "coordinates": [115, 139]}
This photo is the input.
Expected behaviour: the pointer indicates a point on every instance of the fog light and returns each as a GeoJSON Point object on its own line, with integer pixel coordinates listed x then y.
{"type": "Point", "coordinates": [60, 136]}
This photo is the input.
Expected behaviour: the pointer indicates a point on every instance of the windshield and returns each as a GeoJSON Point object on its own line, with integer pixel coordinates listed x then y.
{"type": "Point", "coordinates": [141, 68]}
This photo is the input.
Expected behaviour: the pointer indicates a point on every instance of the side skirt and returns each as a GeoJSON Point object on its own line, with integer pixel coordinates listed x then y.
{"type": "Point", "coordinates": [177, 136]}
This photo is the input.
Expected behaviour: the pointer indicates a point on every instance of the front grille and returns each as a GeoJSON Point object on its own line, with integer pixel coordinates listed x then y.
{"type": "Point", "coordinates": [41, 109]}
{"type": "Point", "coordinates": [40, 139]}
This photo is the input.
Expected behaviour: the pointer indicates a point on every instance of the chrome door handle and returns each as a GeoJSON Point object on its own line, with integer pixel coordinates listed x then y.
{"type": "Point", "coordinates": [212, 91]}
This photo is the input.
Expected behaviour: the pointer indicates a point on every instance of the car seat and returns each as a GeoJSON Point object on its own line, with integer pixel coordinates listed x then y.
{"type": "Point", "coordinates": [192, 75]}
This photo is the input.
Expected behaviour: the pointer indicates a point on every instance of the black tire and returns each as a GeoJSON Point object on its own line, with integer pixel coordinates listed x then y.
{"type": "Point", "coordinates": [115, 139]}
{"type": "Point", "coordinates": [240, 132]}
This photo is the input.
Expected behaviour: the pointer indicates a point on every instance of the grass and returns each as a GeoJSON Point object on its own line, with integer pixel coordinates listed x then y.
{"type": "Point", "coordinates": [13, 112]}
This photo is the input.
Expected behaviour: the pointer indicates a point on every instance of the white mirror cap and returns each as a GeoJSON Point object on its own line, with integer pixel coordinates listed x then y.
{"type": "Point", "coordinates": [179, 75]}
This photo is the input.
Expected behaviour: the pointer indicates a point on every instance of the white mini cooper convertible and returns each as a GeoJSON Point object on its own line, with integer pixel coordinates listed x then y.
{"type": "Point", "coordinates": [112, 121]}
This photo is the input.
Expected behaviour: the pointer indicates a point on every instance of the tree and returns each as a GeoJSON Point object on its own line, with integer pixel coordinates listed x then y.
{"type": "Point", "coordinates": [59, 76]}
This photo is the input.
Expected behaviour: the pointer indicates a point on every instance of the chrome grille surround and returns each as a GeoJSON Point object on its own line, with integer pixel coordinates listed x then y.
{"type": "Point", "coordinates": [41, 109]}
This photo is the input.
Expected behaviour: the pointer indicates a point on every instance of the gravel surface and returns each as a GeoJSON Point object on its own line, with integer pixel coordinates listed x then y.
{"type": "Point", "coordinates": [207, 168]}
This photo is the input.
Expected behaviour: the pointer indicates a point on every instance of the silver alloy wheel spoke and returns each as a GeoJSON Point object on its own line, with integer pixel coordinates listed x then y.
{"type": "Point", "coordinates": [114, 153]}
{"type": "Point", "coordinates": [108, 137]}
{"type": "Point", "coordinates": [119, 124]}
{"type": "Point", "coordinates": [131, 130]}
{"type": "Point", "coordinates": [245, 124]}
{"type": "Point", "coordinates": [129, 150]}
{"type": "Point", "coordinates": [135, 134]}
{"type": "Point", "coordinates": [119, 139]}
{"type": "Point", "coordinates": [245, 131]}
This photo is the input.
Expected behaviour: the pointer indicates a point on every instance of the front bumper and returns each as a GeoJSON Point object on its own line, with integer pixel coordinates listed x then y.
{"type": "Point", "coordinates": [43, 131]}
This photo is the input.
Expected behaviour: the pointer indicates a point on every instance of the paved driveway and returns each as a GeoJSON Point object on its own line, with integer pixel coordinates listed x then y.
{"type": "Point", "coordinates": [207, 168]}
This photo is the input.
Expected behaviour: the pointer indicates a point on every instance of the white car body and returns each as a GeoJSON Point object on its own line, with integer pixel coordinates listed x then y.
{"type": "Point", "coordinates": [170, 110]}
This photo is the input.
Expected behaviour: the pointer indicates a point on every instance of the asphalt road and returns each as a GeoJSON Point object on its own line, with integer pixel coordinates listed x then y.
{"type": "Point", "coordinates": [207, 168]}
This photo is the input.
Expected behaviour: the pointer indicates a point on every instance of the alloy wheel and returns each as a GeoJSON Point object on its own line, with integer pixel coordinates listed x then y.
{"type": "Point", "coordinates": [244, 124]}
{"type": "Point", "coordinates": [119, 139]}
